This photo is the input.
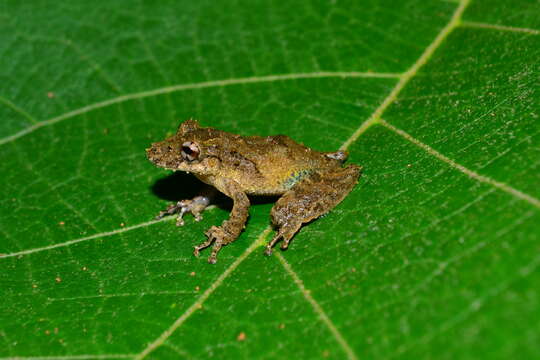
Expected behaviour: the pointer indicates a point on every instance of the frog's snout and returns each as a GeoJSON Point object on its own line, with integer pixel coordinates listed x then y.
{"type": "Point", "coordinates": [163, 154]}
{"type": "Point", "coordinates": [158, 152]}
{"type": "Point", "coordinates": [154, 152]}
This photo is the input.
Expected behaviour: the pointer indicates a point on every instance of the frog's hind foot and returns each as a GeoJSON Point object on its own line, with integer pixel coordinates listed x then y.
{"type": "Point", "coordinates": [195, 206]}
{"type": "Point", "coordinates": [286, 233]}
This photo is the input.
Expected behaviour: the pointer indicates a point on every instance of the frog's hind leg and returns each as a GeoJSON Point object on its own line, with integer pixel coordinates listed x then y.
{"type": "Point", "coordinates": [308, 199]}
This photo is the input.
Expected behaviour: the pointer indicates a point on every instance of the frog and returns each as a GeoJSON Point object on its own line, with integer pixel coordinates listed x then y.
{"type": "Point", "coordinates": [309, 183]}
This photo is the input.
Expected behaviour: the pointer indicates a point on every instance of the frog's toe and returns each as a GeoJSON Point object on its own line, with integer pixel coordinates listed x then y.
{"type": "Point", "coordinates": [212, 259]}
{"type": "Point", "coordinates": [180, 220]}
{"type": "Point", "coordinates": [285, 233]}
{"type": "Point", "coordinates": [268, 250]}
{"type": "Point", "coordinates": [271, 244]}
{"type": "Point", "coordinates": [204, 245]}
{"type": "Point", "coordinates": [171, 209]}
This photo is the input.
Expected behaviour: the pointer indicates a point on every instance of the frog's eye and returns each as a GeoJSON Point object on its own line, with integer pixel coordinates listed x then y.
{"type": "Point", "coordinates": [190, 151]}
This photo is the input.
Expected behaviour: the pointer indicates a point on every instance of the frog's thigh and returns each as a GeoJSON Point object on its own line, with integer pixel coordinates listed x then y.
{"type": "Point", "coordinates": [311, 198]}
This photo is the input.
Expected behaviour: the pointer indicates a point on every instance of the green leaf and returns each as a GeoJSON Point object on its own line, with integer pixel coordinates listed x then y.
{"type": "Point", "coordinates": [434, 254]}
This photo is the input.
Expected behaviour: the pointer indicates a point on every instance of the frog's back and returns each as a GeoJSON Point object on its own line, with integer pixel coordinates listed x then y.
{"type": "Point", "coordinates": [281, 162]}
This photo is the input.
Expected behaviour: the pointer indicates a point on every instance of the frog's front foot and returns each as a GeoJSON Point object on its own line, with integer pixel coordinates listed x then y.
{"type": "Point", "coordinates": [194, 206]}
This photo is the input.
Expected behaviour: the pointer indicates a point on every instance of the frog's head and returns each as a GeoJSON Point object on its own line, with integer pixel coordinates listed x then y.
{"type": "Point", "coordinates": [191, 149]}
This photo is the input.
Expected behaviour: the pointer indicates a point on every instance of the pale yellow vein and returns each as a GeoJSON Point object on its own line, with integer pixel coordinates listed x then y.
{"type": "Point", "coordinates": [17, 109]}
{"type": "Point", "coordinates": [201, 299]}
{"type": "Point", "coordinates": [86, 238]}
{"type": "Point", "coordinates": [183, 87]}
{"type": "Point", "coordinates": [71, 357]}
{"type": "Point", "coordinates": [317, 308]}
{"type": "Point", "coordinates": [481, 178]}
{"type": "Point", "coordinates": [473, 24]}
{"type": "Point", "coordinates": [108, 296]}
{"type": "Point", "coordinates": [406, 77]}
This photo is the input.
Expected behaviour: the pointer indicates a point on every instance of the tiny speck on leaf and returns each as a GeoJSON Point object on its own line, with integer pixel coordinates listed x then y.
{"type": "Point", "coordinates": [34, 286]}
{"type": "Point", "coordinates": [192, 273]}
{"type": "Point", "coordinates": [50, 94]}
{"type": "Point", "coordinates": [122, 224]}
{"type": "Point", "coordinates": [61, 223]}
{"type": "Point", "coordinates": [197, 288]}
{"type": "Point", "coordinates": [241, 336]}
{"type": "Point", "coordinates": [281, 326]}
{"type": "Point", "coordinates": [84, 268]}
{"type": "Point", "coordinates": [58, 279]}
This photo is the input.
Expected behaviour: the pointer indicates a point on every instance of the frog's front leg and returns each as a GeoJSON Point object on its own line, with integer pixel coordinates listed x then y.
{"type": "Point", "coordinates": [194, 206]}
{"type": "Point", "coordinates": [308, 199]}
{"type": "Point", "coordinates": [232, 227]}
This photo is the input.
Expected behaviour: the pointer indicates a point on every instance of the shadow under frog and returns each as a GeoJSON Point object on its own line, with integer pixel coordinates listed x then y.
{"type": "Point", "coordinates": [179, 186]}
{"type": "Point", "coordinates": [309, 183]}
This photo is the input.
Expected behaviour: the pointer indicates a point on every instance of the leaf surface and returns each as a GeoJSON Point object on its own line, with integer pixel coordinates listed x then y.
{"type": "Point", "coordinates": [434, 254]}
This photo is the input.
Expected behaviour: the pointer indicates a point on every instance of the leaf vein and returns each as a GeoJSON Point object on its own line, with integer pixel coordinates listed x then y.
{"type": "Point", "coordinates": [317, 308]}
{"type": "Point", "coordinates": [479, 25]}
{"type": "Point", "coordinates": [409, 74]}
{"type": "Point", "coordinates": [473, 174]}
{"type": "Point", "coordinates": [86, 238]}
{"type": "Point", "coordinates": [201, 299]}
{"type": "Point", "coordinates": [183, 87]}
{"type": "Point", "coordinates": [71, 357]}
{"type": "Point", "coordinates": [17, 109]}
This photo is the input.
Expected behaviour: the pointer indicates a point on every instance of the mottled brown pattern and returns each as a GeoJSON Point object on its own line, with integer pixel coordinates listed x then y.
{"type": "Point", "coordinates": [311, 182]}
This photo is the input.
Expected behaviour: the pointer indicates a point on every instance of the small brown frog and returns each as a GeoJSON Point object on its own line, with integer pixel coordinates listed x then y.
{"type": "Point", "coordinates": [311, 183]}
